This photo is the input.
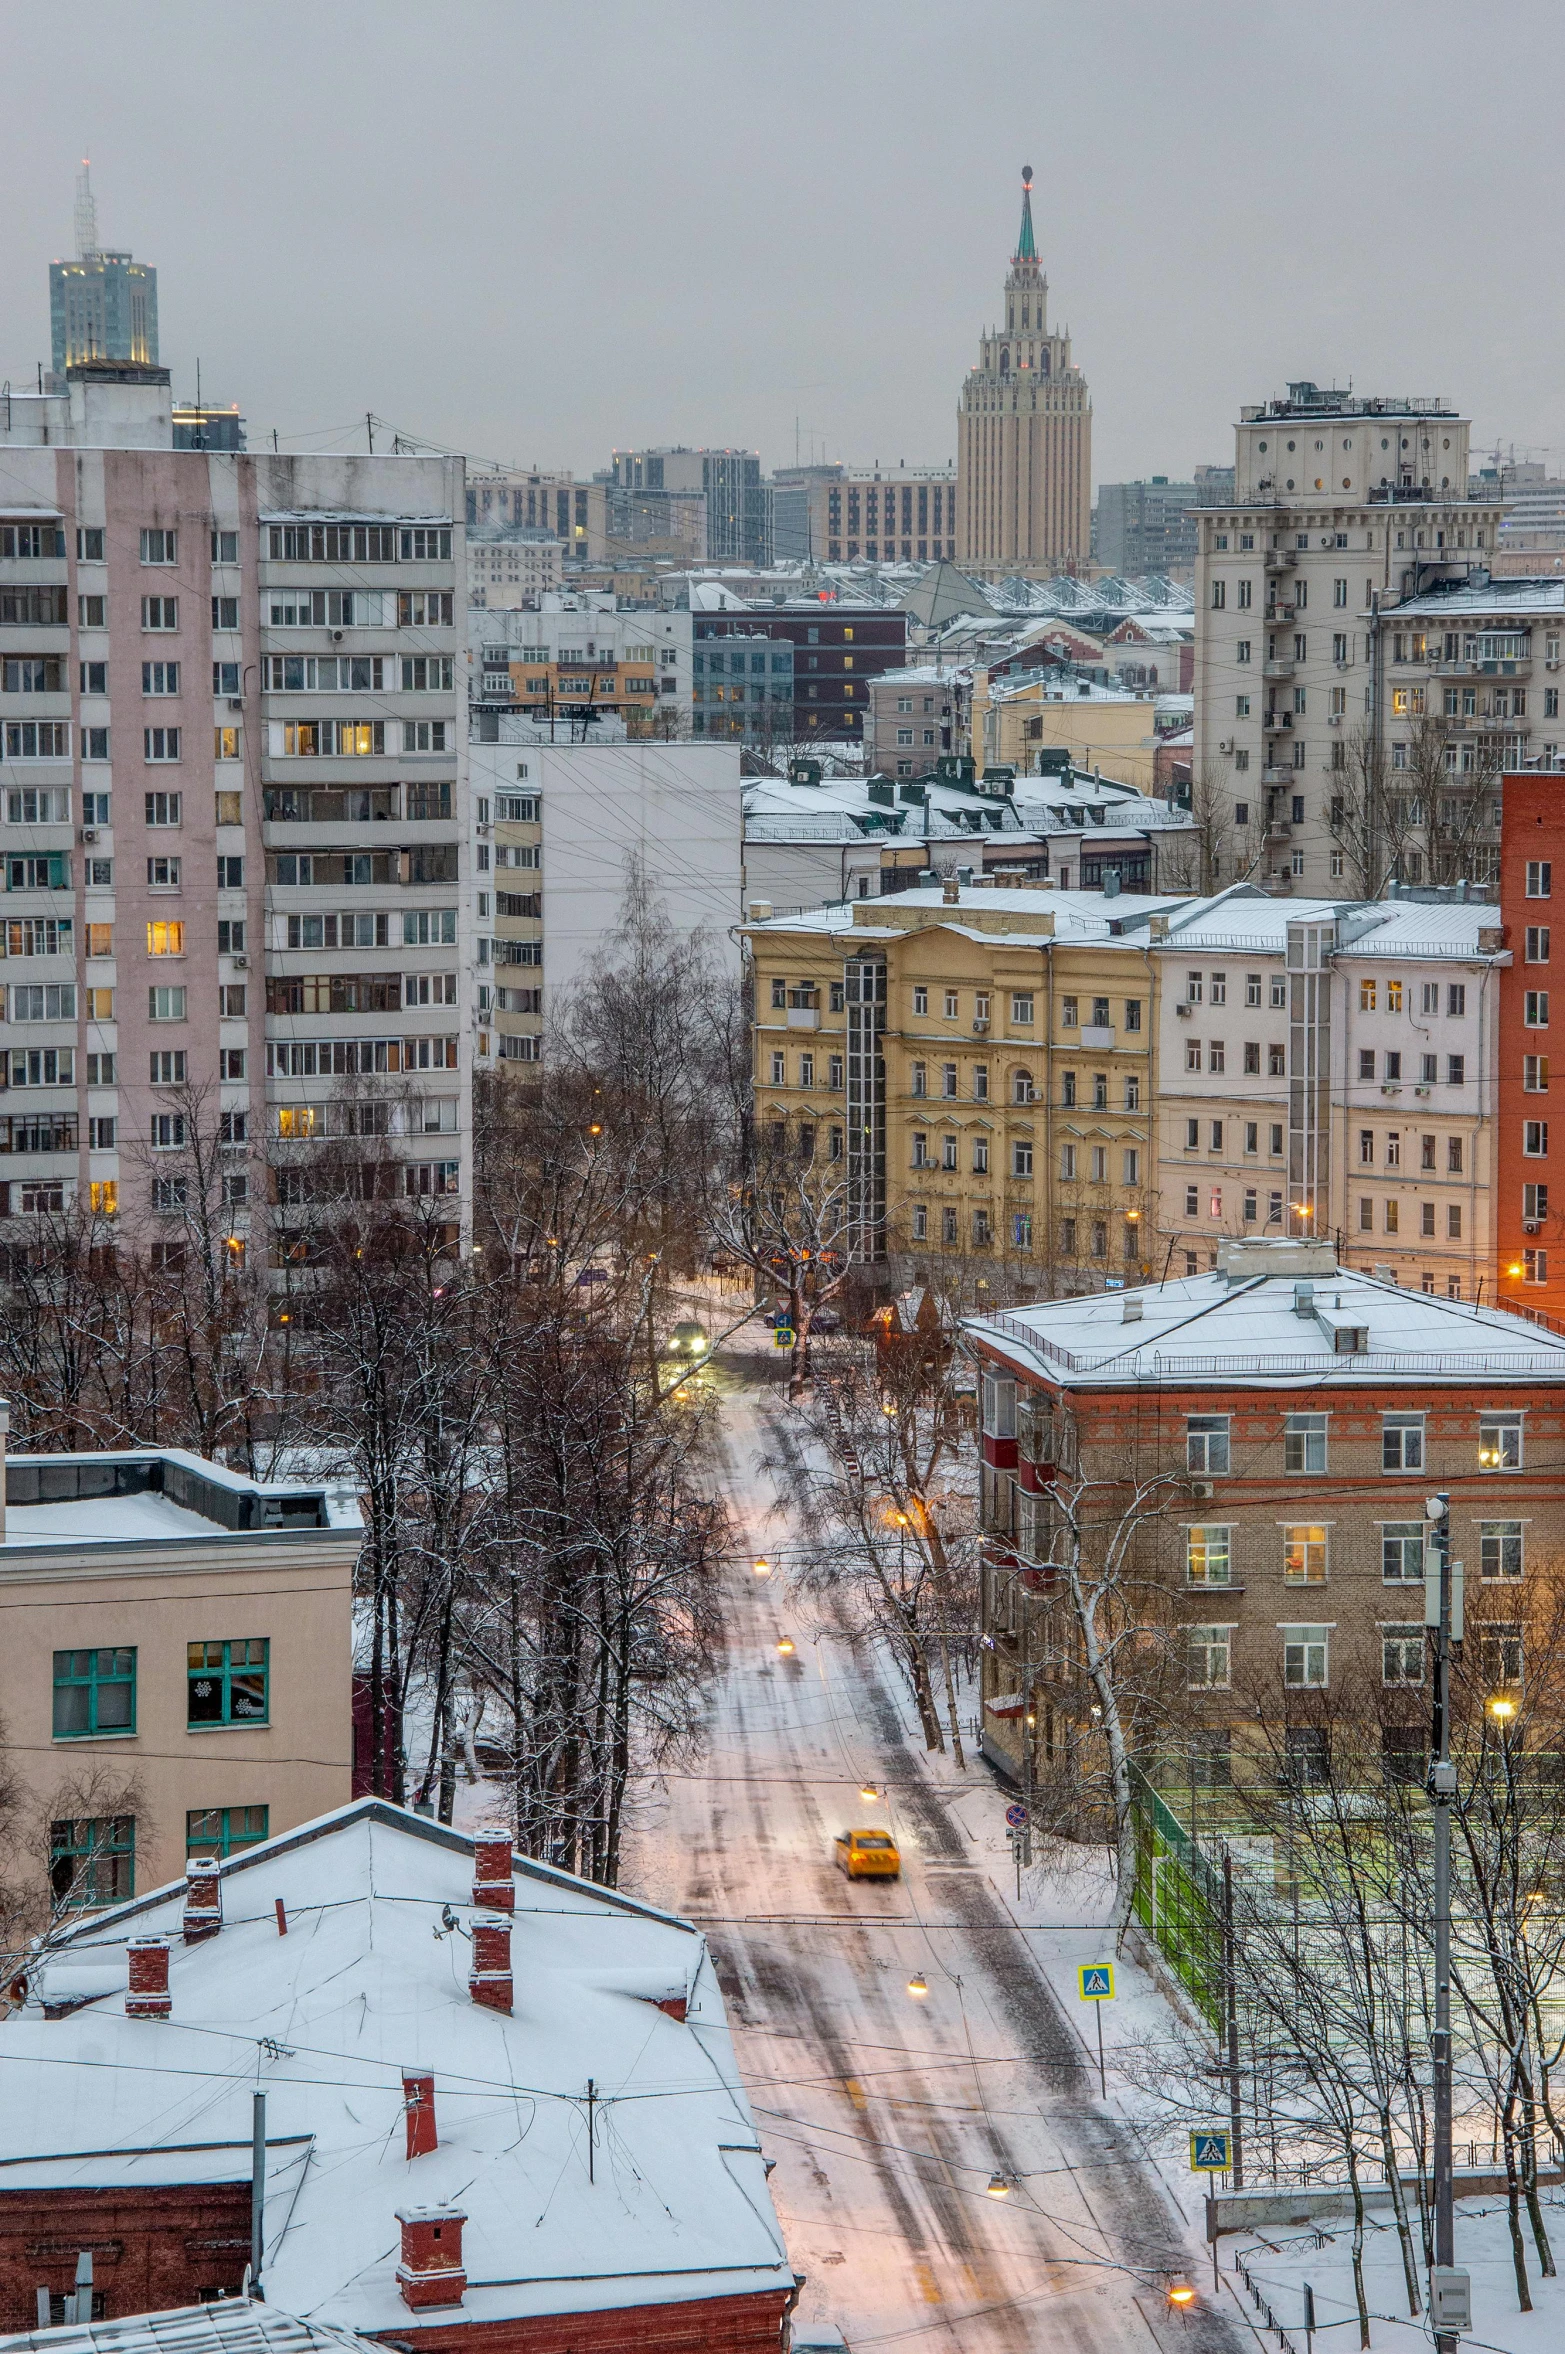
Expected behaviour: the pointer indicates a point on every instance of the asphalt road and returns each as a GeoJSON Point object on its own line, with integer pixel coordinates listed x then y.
{"type": "Point", "coordinates": [888, 2113]}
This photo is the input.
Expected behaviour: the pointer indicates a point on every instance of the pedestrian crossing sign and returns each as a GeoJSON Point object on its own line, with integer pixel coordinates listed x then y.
{"type": "Point", "coordinates": [1095, 1982]}
{"type": "Point", "coordinates": [1211, 2153]}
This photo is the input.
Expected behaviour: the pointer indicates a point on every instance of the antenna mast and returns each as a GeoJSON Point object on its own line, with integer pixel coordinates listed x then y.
{"type": "Point", "coordinates": [86, 213]}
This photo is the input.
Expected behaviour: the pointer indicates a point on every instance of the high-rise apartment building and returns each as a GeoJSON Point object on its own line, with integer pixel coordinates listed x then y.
{"type": "Point", "coordinates": [234, 802]}
{"type": "Point", "coordinates": [102, 306]}
{"type": "Point", "coordinates": [738, 502]}
{"type": "Point", "coordinates": [1148, 527]}
{"type": "Point", "coordinates": [576, 512]}
{"type": "Point", "coordinates": [880, 514]}
{"type": "Point", "coordinates": [1024, 435]}
{"type": "Point", "coordinates": [1345, 510]}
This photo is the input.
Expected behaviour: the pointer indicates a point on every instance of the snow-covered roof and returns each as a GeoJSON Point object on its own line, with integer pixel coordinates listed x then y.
{"type": "Point", "coordinates": [1078, 915]}
{"type": "Point", "coordinates": [1473, 601]}
{"type": "Point", "coordinates": [233, 2325]}
{"type": "Point", "coordinates": [159, 1497]}
{"type": "Point", "coordinates": [369, 1981]}
{"type": "Point", "coordinates": [1247, 1325]}
{"type": "Point", "coordinates": [1244, 918]}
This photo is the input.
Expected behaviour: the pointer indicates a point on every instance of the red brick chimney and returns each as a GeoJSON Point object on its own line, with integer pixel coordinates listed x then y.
{"type": "Point", "coordinates": [147, 1995]}
{"type": "Point", "coordinates": [493, 1887]}
{"type": "Point", "coordinates": [418, 2106]}
{"type": "Point", "coordinates": [203, 1899]}
{"type": "Point", "coordinates": [489, 1980]}
{"type": "Point", "coordinates": [431, 2269]}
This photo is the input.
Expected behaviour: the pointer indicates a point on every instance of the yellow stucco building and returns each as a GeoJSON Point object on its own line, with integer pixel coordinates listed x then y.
{"type": "Point", "coordinates": [973, 1065]}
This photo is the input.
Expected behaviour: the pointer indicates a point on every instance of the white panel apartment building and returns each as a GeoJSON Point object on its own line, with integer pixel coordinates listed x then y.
{"type": "Point", "coordinates": [1328, 1068]}
{"type": "Point", "coordinates": [236, 826]}
{"type": "Point", "coordinates": [1342, 507]}
{"type": "Point", "coordinates": [560, 827]}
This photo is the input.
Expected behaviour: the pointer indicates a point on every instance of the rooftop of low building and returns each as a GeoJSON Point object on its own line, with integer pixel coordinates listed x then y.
{"type": "Point", "coordinates": [342, 1964]}
{"type": "Point", "coordinates": [136, 1497]}
{"type": "Point", "coordinates": [1276, 1313]}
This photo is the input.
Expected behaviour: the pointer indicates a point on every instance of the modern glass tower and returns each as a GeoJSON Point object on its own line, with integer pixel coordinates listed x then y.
{"type": "Point", "coordinates": [102, 306]}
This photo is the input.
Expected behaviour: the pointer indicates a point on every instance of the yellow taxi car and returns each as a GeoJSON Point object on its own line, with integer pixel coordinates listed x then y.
{"type": "Point", "coordinates": [867, 1855]}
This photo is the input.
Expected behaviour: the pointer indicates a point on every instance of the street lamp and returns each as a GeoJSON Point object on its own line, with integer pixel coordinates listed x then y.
{"type": "Point", "coordinates": [999, 2186]}
{"type": "Point", "coordinates": [784, 1645]}
{"type": "Point", "coordinates": [761, 1566]}
{"type": "Point", "coordinates": [918, 1986]}
{"type": "Point", "coordinates": [1502, 1710]}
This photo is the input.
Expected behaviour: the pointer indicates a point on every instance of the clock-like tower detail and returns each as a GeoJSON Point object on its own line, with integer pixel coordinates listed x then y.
{"type": "Point", "coordinates": [1024, 435]}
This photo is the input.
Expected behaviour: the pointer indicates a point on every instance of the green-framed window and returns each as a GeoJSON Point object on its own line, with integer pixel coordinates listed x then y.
{"type": "Point", "coordinates": [92, 1859]}
{"type": "Point", "coordinates": [219, 1831]}
{"type": "Point", "coordinates": [94, 1692]}
{"type": "Point", "coordinates": [228, 1682]}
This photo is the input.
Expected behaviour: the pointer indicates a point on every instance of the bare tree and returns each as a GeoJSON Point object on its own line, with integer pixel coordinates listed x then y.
{"type": "Point", "coordinates": [1200, 857]}
{"type": "Point", "coordinates": [897, 1484]}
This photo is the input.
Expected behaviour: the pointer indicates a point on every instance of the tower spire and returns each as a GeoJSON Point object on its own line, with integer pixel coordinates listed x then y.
{"type": "Point", "coordinates": [86, 213]}
{"type": "Point", "coordinates": [1026, 248]}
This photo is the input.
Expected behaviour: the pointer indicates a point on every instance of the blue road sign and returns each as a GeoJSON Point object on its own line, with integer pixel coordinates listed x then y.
{"type": "Point", "coordinates": [782, 1336]}
{"type": "Point", "coordinates": [1095, 1982]}
{"type": "Point", "coordinates": [1016, 1817]}
{"type": "Point", "coordinates": [1211, 2153]}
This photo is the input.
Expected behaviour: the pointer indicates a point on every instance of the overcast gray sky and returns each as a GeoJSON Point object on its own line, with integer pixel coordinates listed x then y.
{"type": "Point", "coordinates": [537, 232]}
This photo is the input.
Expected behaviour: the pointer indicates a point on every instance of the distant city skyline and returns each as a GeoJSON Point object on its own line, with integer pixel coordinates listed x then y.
{"type": "Point", "coordinates": [717, 265]}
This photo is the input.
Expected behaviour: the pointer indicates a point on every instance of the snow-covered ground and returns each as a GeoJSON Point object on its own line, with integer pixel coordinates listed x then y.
{"type": "Point", "coordinates": [887, 2112]}
{"type": "Point", "coordinates": [1281, 2263]}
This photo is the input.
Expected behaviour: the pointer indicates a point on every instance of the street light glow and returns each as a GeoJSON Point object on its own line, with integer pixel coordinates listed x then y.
{"type": "Point", "coordinates": [999, 2186]}
{"type": "Point", "coordinates": [761, 1566]}
{"type": "Point", "coordinates": [784, 1645]}
{"type": "Point", "coordinates": [1501, 1709]}
{"type": "Point", "coordinates": [1181, 2294]}
{"type": "Point", "coordinates": [918, 1985]}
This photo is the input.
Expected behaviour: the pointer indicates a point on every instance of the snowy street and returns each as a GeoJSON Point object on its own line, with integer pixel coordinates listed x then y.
{"type": "Point", "coordinates": [888, 2112]}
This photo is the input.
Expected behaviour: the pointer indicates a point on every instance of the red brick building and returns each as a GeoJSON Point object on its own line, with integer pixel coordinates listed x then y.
{"type": "Point", "coordinates": [1285, 1419]}
{"type": "Point", "coordinates": [501, 2106]}
{"type": "Point", "coordinates": [1529, 1209]}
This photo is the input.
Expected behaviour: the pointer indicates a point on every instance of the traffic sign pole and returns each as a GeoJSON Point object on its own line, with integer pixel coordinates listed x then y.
{"type": "Point", "coordinates": [1103, 2088]}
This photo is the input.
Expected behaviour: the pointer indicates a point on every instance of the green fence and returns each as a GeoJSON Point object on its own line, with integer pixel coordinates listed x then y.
{"type": "Point", "coordinates": [1178, 1897]}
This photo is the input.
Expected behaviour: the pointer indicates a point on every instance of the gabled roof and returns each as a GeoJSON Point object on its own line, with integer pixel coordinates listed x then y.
{"type": "Point", "coordinates": [371, 1979]}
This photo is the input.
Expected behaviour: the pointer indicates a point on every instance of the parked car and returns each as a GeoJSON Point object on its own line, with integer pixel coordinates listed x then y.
{"type": "Point", "coordinates": [688, 1340]}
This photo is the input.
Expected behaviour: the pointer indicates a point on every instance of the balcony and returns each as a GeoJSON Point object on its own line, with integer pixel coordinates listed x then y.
{"type": "Point", "coordinates": [1277, 830]}
{"type": "Point", "coordinates": [1519, 666]}
{"type": "Point", "coordinates": [1279, 776]}
{"type": "Point", "coordinates": [1279, 612]}
{"type": "Point", "coordinates": [1276, 721]}
{"type": "Point", "coordinates": [1278, 666]}
{"type": "Point", "coordinates": [1100, 1039]}
{"type": "Point", "coordinates": [1280, 559]}
{"type": "Point", "coordinates": [804, 1017]}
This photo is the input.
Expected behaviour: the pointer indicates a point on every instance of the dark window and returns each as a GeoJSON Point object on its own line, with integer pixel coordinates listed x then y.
{"type": "Point", "coordinates": [228, 1682]}
{"type": "Point", "coordinates": [94, 1692]}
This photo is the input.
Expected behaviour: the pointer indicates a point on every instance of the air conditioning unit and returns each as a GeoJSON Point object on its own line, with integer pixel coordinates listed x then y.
{"type": "Point", "coordinates": [88, 834]}
{"type": "Point", "coordinates": [1392, 1087]}
{"type": "Point", "coordinates": [1530, 1225]}
{"type": "Point", "coordinates": [236, 702]}
{"type": "Point", "coordinates": [1182, 1009]}
{"type": "Point", "coordinates": [1421, 1091]}
{"type": "Point", "coordinates": [240, 961]}
{"type": "Point", "coordinates": [1226, 745]}
{"type": "Point", "coordinates": [1201, 1487]}
{"type": "Point", "coordinates": [981, 1026]}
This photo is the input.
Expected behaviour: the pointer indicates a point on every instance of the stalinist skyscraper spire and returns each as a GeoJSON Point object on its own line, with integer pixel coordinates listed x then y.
{"type": "Point", "coordinates": [1024, 435]}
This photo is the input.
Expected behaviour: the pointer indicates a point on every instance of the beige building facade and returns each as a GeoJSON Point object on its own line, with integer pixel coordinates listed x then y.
{"type": "Point", "coordinates": [1345, 508]}
{"type": "Point", "coordinates": [1017, 716]}
{"type": "Point", "coordinates": [176, 1661]}
{"type": "Point", "coordinates": [1009, 1110]}
{"type": "Point", "coordinates": [1024, 436]}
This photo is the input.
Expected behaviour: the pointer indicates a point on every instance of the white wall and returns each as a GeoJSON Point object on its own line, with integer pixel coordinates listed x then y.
{"type": "Point", "coordinates": [676, 806]}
